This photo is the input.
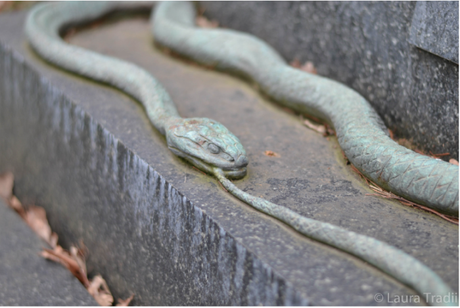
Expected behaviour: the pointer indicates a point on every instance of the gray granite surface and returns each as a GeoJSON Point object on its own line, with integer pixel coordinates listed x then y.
{"type": "Point", "coordinates": [26, 278]}
{"type": "Point", "coordinates": [434, 28]}
{"type": "Point", "coordinates": [366, 46]}
{"type": "Point", "coordinates": [169, 234]}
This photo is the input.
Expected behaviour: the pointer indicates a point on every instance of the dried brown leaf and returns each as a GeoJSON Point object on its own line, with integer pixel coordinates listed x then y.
{"type": "Point", "coordinates": [100, 291]}
{"type": "Point", "coordinates": [125, 302]}
{"type": "Point", "coordinates": [45, 254]}
{"type": "Point", "coordinates": [271, 154]}
{"type": "Point", "coordinates": [6, 185]}
{"type": "Point", "coordinates": [453, 161]}
{"type": "Point", "coordinates": [61, 256]}
{"type": "Point", "coordinates": [203, 22]}
{"type": "Point", "coordinates": [392, 135]}
{"type": "Point", "coordinates": [35, 217]}
{"type": "Point", "coordinates": [53, 240]}
{"type": "Point", "coordinates": [75, 253]}
{"type": "Point", "coordinates": [316, 127]}
{"type": "Point", "coordinates": [295, 63]}
{"type": "Point", "coordinates": [16, 205]}
{"type": "Point", "coordinates": [309, 67]}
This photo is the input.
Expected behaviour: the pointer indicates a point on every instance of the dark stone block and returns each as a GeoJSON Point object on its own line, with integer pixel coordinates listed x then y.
{"type": "Point", "coordinates": [365, 45]}
{"type": "Point", "coordinates": [26, 278]}
{"type": "Point", "coordinates": [435, 28]}
{"type": "Point", "coordinates": [169, 234]}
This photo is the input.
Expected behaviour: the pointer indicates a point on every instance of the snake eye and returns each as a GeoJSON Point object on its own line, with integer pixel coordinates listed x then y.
{"type": "Point", "coordinates": [214, 149]}
{"type": "Point", "coordinates": [227, 157]}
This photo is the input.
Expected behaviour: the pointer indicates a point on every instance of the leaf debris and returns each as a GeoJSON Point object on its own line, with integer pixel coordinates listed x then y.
{"type": "Point", "coordinates": [323, 129]}
{"type": "Point", "coordinates": [203, 22]}
{"type": "Point", "coordinates": [73, 260]}
{"type": "Point", "coordinates": [125, 302]}
{"type": "Point", "coordinates": [271, 154]}
{"type": "Point", "coordinates": [308, 66]}
{"type": "Point", "coordinates": [380, 192]}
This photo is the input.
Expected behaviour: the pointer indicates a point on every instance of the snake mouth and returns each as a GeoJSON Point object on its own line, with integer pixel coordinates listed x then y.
{"type": "Point", "coordinates": [234, 173]}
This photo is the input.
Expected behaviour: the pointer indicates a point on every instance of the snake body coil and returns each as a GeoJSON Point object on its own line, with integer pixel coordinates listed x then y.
{"type": "Point", "coordinates": [210, 146]}
{"type": "Point", "coordinates": [360, 130]}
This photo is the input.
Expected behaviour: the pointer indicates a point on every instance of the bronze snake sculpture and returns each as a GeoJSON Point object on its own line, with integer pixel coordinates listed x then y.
{"type": "Point", "coordinates": [209, 146]}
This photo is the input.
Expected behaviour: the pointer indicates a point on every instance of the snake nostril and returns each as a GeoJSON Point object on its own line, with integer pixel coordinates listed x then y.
{"type": "Point", "coordinates": [242, 161]}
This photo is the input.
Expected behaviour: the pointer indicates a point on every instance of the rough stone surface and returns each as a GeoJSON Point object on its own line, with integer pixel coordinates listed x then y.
{"type": "Point", "coordinates": [169, 234]}
{"type": "Point", "coordinates": [26, 278]}
{"type": "Point", "coordinates": [365, 45]}
{"type": "Point", "coordinates": [434, 28]}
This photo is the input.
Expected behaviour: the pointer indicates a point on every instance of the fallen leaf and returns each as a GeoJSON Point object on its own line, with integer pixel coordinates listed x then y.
{"type": "Point", "coordinates": [59, 255]}
{"type": "Point", "coordinates": [75, 253]}
{"type": "Point", "coordinates": [272, 154]}
{"type": "Point", "coordinates": [125, 302]}
{"type": "Point", "coordinates": [453, 161]}
{"type": "Point", "coordinates": [6, 185]}
{"type": "Point", "coordinates": [36, 219]}
{"type": "Point", "coordinates": [323, 129]}
{"type": "Point", "coordinates": [203, 22]}
{"type": "Point", "coordinates": [392, 135]}
{"type": "Point", "coordinates": [316, 127]}
{"type": "Point", "coordinates": [16, 205]}
{"type": "Point", "coordinates": [100, 291]}
{"type": "Point", "coordinates": [309, 67]}
{"type": "Point", "coordinates": [53, 240]}
{"type": "Point", "coordinates": [295, 63]}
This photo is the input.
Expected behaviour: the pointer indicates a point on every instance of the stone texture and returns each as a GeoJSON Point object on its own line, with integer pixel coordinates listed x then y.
{"type": "Point", "coordinates": [169, 234]}
{"type": "Point", "coordinates": [365, 45]}
{"type": "Point", "coordinates": [434, 28]}
{"type": "Point", "coordinates": [26, 278]}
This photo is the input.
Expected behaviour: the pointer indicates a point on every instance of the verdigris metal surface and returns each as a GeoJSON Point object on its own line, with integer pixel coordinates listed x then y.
{"type": "Point", "coordinates": [434, 28]}
{"type": "Point", "coordinates": [26, 278]}
{"type": "Point", "coordinates": [359, 129]}
{"type": "Point", "coordinates": [148, 239]}
{"type": "Point", "coordinates": [364, 45]}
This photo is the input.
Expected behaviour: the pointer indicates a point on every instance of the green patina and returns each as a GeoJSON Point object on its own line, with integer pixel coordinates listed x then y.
{"type": "Point", "coordinates": [210, 147]}
{"type": "Point", "coordinates": [360, 131]}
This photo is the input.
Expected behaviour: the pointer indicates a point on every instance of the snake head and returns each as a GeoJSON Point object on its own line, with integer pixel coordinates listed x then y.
{"type": "Point", "coordinates": [207, 144]}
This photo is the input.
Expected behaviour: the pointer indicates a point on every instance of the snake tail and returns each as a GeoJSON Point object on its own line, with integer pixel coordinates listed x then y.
{"type": "Point", "coordinates": [389, 259]}
{"type": "Point", "coordinates": [361, 132]}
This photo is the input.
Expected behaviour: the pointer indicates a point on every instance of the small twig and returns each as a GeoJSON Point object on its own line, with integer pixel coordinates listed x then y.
{"type": "Point", "coordinates": [198, 170]}
{"type": "Point", "coordinates": [222, 186]}
{"type": "Point", "coordinates": [380, 192]}
{"type": "Point", "coordinates": [439, 155]}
